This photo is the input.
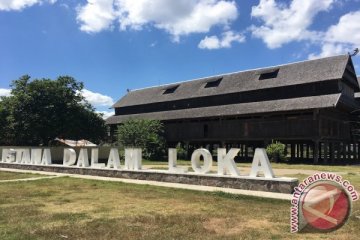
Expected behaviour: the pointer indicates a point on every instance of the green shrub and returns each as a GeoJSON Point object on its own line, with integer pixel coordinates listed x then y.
{"type": "Point", "coordinates": [275, 151]}
{"type": "Point", "coordinates": [181, 152]}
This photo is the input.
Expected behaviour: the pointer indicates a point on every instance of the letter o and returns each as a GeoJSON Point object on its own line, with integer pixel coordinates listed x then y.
{"type": "Point", "coordinates": [195, 161]}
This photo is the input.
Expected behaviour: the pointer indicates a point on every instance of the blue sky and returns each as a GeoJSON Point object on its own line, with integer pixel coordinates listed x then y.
{"type": "Point", "coordinates": [114, 45]}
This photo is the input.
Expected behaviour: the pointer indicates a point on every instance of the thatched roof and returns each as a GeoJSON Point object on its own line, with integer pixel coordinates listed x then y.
{"type": "Point", "coordinates": [294, 104]}
{"type": "Point", "coordinates": [277, 77]}
{"type": "Point", "coordinates": [324, 69]}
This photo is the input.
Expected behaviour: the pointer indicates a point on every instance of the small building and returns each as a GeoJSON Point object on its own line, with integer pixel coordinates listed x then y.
{"type": "Point", "coordinates": [310, 106]}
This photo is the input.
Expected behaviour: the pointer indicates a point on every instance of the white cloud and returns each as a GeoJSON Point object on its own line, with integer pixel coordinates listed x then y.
{"type": "Point", "coordinates": [97, 99]}
{"type": "Point", "coordinates": [18, 5]}
{"type": "Point", "coordinates": [180, 17]}
{"type": "Point", "coordinates": [5, 92]}
{"type": "Point", "coordinates": [106, 114]}
{"type": "Point", "coordinates": [285, 23]}
{"type": "Point", "coordinates": [347, 30]}
{"type": "Point", "coordinates": [65, 6]}
{"type": "Point", "coordinates": [342, 37]}
{"type": "Point", "coordinates": [96, 15]}
{"type": "Point", "coordinates": [213, 42]}
{"type": "Point", "coordinates": [330, 49]}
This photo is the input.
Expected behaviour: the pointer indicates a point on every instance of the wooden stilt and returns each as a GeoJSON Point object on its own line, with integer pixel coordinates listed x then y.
{"type": "Point", "coordinates": [325, 153]}
{"type": "Point", "coordinates": [246, 152]}
{"type": "Point", "coordinates": [316, 152]}
{"type": "Point", "coordinates": [307, 151]}
{"type": "Point", "coordinates": [292, 151]}
{"type": "Point", "coordinates": [332, 151]}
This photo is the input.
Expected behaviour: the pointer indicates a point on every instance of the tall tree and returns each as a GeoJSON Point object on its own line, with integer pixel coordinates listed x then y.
{"type": "Point", "coordinates": [40, 110]}
{"type": "Point", "coordinates": [143, 133]}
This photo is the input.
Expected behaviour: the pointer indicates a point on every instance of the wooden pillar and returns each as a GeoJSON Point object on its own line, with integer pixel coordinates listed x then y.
{"type": "Point", "coordinates": [346, 152]}
{"type": "Point", "coordinates": [336, 152]}
{"type": "Point", "coordinates": [292, 151]}
{"type": "Point", "coordinates": [307, 151]}
{"type": "Point", "coordinates": [326, 145]}
{"type": "Point", "coordinates": [246, 152]}
{"type": "Point", "coordinates": [316, 152]}
{"type": "Point", "coordinates": [297, 150]}
{"type": "Point", "coordinates": [332, 152]}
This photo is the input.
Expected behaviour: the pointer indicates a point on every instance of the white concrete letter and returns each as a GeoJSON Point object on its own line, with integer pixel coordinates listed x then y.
{"type": "Point", "coordinates": [5, 153]}
{"type": "Point", "coordinates": [25, 157]}
{"type": "Point", "coordinates": [133, 158]}
{"type": "Point", "coordinates": [11, 156]}
{"type": "Point", "coordinates": [46, 157]}
{"type": "Point", "coordinates": [226, 163]}
{"type": "Point", "coordinates": [36, 154]}
{"type": "Point", "coordinates": [69, 158]}
{"type": "Point", "coordinates": [195, 161]}
{"type": "Point", "coordinates": [95, 159]}
{"type": "Point", "coordinates": [19, 153]}
{"type": "Point", "coordinates": [83, 159]}
{"type": "Point", "coordinates": [172, 162]}
{"type": "Point", "coordinates": [113, 160]}
{"type": "Point", "coordinates": [261, 163]}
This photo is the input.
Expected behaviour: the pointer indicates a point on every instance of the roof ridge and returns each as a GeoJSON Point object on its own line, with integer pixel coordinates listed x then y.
{"type": "Point", "coordinates": [231, 73]}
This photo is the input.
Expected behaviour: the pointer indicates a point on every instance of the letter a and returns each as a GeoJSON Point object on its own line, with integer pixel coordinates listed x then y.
{"type": "Point", "coordinates": [113, 161]}
{"type": "Point", "coordinates": [261, 164]}
{"type": "Point", "coordinates": [46, 157]}
{"type": "Point", "coordinates": [83, 160]}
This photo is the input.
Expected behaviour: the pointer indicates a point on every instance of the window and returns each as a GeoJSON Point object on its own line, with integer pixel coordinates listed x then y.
{"type": "Point", "coordinates": [170, 90]}
{"type": "Point", "coordinates": [214, 83]}
{"type": "Point", "coordinates": [269, 75]}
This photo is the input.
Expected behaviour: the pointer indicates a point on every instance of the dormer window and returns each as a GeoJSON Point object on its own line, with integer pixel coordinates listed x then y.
{"type": "Point", "coordinates": [270, 74]}
{"type": "Point", "coordinates": [170, 90]}
{"type": "Point", "coordinates": [213, 83]}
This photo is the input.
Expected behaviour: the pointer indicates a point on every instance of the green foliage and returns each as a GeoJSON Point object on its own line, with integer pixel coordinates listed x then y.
{"type": "Point", "coordinates": [38, 111]}
{"type": "Point", "coordinates": [181, 152]}
{"type": "Point", "coordinates": [146, 134]}
{"type": "Point", "coordinates": [275, 151]}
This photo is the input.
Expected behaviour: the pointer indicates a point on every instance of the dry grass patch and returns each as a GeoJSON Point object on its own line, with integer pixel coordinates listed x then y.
{"type": "Point", "coordinates": [67, 208]}
{"type": "Point", "coordinates": [4, 175]}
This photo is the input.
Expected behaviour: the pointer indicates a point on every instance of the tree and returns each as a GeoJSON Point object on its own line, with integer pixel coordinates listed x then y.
{"type": "Point", "coordinates": [146, 134]}
{"type": "Point", "coordinates": [38, 111]}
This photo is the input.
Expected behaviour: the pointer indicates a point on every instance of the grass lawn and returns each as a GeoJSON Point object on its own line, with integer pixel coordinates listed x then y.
{"type": "Point", "coordinates": [69, 208]}
{"type": "Point", "coordinates": [15, 175]}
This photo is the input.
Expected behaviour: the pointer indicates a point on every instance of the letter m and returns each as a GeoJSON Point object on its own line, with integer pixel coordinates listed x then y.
{"type": "Point", "coordinates": [133, 157]}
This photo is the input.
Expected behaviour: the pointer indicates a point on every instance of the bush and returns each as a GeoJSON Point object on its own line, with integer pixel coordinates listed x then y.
{"type": "Point", "coordinates": [275, 151]}
{"type": "Point", "coordinates": [181, 152]}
